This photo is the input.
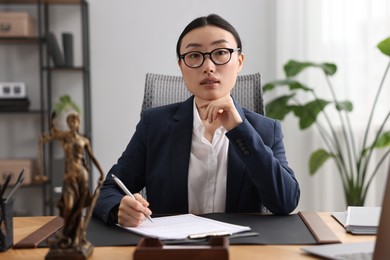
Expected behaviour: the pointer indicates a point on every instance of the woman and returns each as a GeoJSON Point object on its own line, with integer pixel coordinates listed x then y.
{"type": "Point", "coordinates": [206, 154]}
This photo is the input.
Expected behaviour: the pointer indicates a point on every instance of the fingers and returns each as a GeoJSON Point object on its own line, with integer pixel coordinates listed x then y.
{"type": "Point", "coordinates": [223, 110]}
{"type": "Point", "coordinates": [212, 113]}
{"type": "Point", "coordinates": [213, 110]}
{"type": "Point", "coordinates": [217, 108]}
{"type": "Point", "coordinates": [141, 199]}
{"type": "Point", "coordinates": [132, 212]}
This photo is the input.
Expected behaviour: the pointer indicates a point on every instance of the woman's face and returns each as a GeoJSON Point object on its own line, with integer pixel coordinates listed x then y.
{"type": "Point", "coordinates": [210, 81]}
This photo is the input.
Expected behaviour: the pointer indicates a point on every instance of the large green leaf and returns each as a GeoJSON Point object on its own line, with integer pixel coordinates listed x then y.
{"type": "Point", "coordinates": [344, 105]}
{"type": "Point", "coordinates": [278, 108]}
{"type": "Point", "coordinates": [292, 84]}
{"type": "Point", "coordinates": [317, 159]}
{"type": "Point", "coordinates": [383, 140]}
{"type": "Point", "coordinates": [329, 68]}
{"type": "Point", "coordinates": [384, 46]}
{"type": "Point", "coordinates": [293, 67]}
{"type": "Point", "coordinates": [308, 113]}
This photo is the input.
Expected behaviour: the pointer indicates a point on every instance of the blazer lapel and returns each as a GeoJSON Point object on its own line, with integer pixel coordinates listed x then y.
{"type": "Point", "coordinates": [181, 137]}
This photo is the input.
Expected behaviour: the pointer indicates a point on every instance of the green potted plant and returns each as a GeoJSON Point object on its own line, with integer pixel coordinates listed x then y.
{"type": "Point", "coordinates": [351, 160]}
{"type": "Point", "coordinates": [66, 103]}
{"type": "Point", "coordinates": [62, 108]}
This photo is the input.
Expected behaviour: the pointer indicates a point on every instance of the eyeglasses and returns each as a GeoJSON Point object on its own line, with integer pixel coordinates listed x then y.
{"type": "Point", "coordinates": [220, 56]}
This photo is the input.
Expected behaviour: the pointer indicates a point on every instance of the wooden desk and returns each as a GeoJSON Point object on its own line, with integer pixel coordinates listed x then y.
{"type": "Point", "coordinates": [23, 226]}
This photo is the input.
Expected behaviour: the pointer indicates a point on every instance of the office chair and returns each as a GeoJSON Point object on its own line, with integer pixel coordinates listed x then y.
{"type": "Point", "coordinates": [166, 89]}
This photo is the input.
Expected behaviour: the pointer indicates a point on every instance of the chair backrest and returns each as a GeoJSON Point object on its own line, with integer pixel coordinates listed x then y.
{"type": "Point", "coordinates": [166, 89]}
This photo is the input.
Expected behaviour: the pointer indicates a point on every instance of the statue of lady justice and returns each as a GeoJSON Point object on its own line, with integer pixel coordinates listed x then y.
{"type": "Point", "coordinates": [76, 195]}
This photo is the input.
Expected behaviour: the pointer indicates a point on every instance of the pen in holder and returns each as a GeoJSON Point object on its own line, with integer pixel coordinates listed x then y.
{"type": "Point", "coordinates": [6, 224]}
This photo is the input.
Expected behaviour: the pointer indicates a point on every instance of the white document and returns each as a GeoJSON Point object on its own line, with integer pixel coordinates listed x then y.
{"type": "Point", "coordinates": [183, 226]}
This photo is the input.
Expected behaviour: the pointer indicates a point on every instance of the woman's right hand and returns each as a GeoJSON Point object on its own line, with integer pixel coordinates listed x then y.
{"type": "Point", "coordinates": [132, 212]}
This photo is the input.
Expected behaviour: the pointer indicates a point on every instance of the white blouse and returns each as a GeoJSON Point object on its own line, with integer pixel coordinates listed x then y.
{"type": "Point", "coordinates": [207, 169]}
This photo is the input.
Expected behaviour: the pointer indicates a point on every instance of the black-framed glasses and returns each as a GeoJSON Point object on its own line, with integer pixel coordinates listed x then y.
{"type": "Point", "coordinates": [220, 56]}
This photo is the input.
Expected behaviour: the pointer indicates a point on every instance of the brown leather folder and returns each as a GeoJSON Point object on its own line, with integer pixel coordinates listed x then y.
{"type": "Point", "coordinates": [41, 234]}
{"type": "Point", "coordinates": [318, 228]}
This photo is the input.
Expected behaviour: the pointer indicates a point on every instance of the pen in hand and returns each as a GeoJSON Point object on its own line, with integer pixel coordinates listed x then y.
{"type": "Point", "coordinates": [125, 190]}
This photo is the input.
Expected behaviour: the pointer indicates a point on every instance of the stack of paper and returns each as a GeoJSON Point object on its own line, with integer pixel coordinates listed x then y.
{"type": "Point", "coordinates": [185, 226]}
{"type": "Point", "coordinates": [362, 220]}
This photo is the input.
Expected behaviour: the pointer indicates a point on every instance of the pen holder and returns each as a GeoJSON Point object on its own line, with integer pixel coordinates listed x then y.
{"type": "Point", "coordinates": [6, 225]}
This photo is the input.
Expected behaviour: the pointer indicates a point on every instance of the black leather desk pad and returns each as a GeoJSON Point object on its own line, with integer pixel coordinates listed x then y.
{"type": "Point", "coordinates": [272, 229]}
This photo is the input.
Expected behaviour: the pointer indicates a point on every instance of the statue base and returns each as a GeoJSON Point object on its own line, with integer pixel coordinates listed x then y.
{"type": "Point", "coordinates": [77, 253]}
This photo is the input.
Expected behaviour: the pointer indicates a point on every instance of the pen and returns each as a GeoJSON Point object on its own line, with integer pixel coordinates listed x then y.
{"type": "Point", "coordinates": [125, 190]}
{"type": "Point", "coordinates": [209, 234]}
{"type": "Point", "coordinates": [8, 178]}
{"type": "Point", "coordinates": [19, 182]}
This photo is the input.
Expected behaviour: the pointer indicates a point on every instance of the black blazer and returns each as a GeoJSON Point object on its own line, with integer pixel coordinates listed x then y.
{"type": "Point", "coordinates": [158, 157]}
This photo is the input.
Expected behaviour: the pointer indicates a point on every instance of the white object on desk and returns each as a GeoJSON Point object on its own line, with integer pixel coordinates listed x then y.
{"type": "Point", "coordinates": [362, 220]}
{"type": "Point", "coordinates": [183, 226]}
{"type": "Point", "coordinates": [343, 251]}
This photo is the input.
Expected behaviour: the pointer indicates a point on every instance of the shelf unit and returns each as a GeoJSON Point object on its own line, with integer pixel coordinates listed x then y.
{"type": "Point", "coordinates": [47, 71]}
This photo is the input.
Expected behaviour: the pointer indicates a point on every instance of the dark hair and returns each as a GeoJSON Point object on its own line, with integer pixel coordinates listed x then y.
{"type": "Point", "coordinates": [212, 19]}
